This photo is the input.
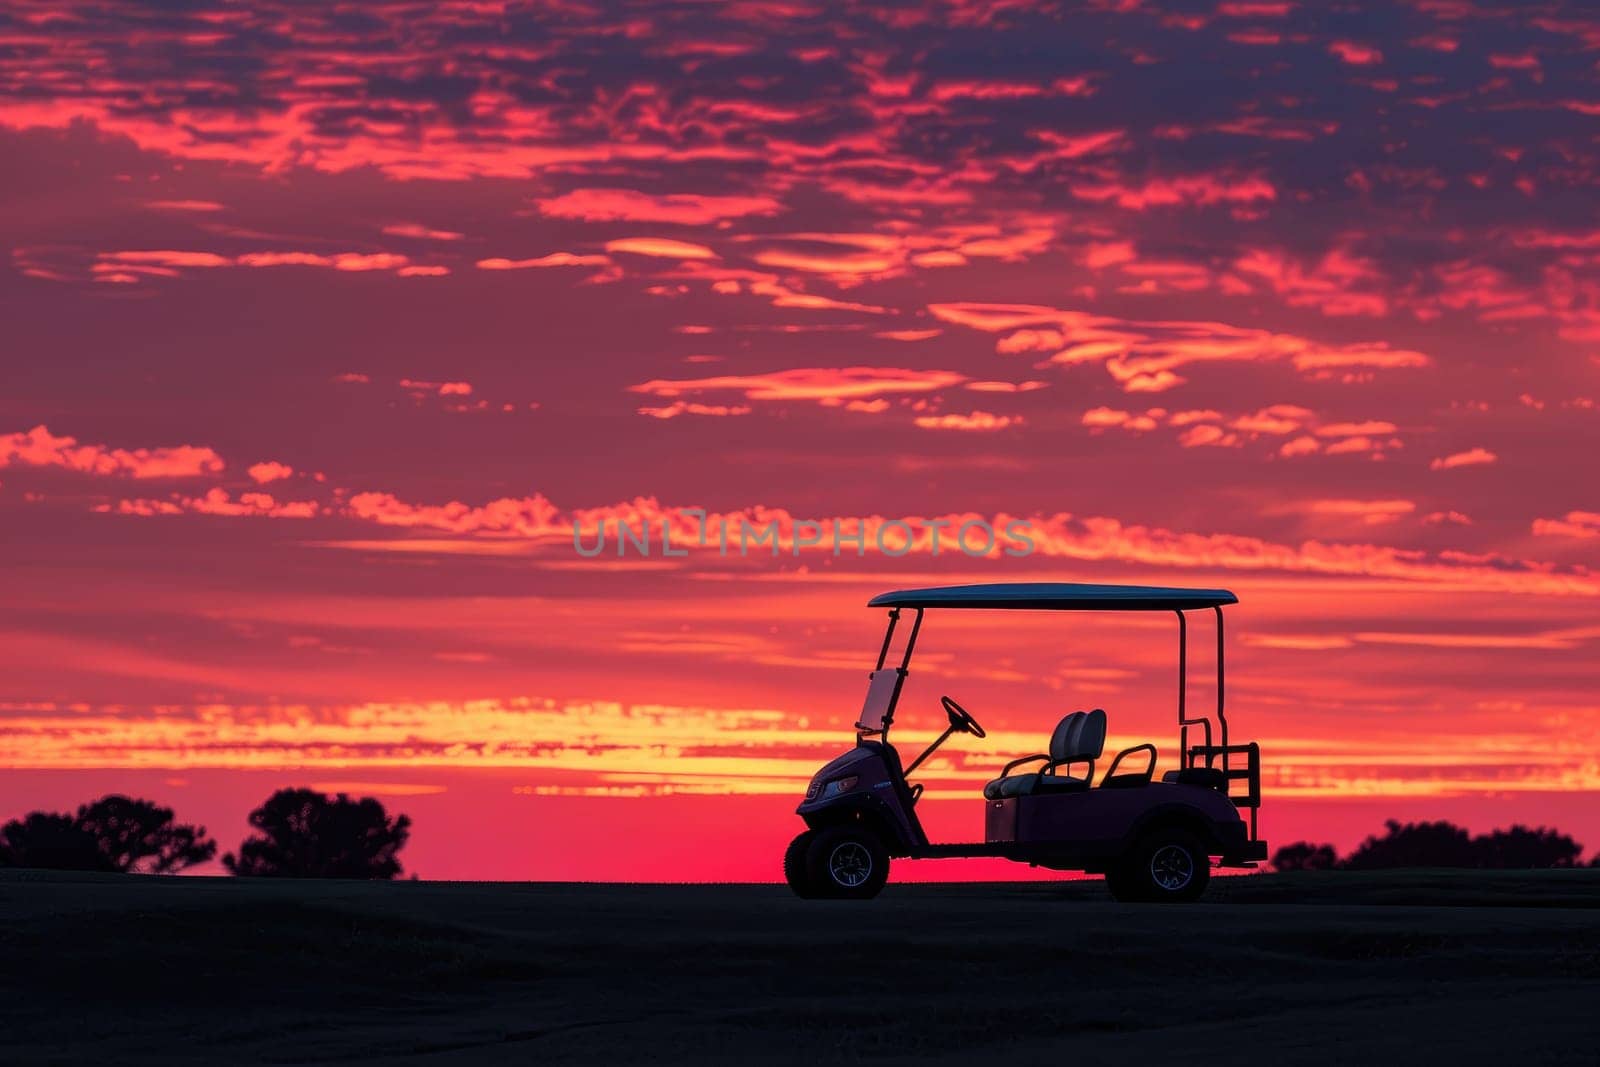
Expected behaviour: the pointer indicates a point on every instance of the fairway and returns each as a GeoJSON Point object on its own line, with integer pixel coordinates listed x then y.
{"type": "Point", "coordinates": [1331, 968]}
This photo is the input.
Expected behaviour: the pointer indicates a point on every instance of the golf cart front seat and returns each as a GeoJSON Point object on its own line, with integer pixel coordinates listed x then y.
{"type": "Point", "coordinates": [1078, 738]}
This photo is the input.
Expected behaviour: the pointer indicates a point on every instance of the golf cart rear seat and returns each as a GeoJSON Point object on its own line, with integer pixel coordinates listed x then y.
{"type": "Point", "coordinates": [1078, 738]}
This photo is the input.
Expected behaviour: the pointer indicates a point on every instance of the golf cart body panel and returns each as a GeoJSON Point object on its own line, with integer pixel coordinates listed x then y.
{"type": "Point", "coordinates": [860, 786]}
{"type": "Point", "coordinates": [861, 809]}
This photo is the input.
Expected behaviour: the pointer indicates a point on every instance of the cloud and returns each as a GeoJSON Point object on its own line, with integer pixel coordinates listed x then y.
{"type": "Point", "coordinates": [420, 232]}
{"type": "Point", "coordinates": [1203, 190]}
{"type": "Point", "coordinates": [132, 264]}
{"type": "Point", "coordinates": [41, 448]}
{"type": "Point", "coordinates": [1371, 512]}
{"type": "Point", "coordinates": [1340, 283]}
{"type": "Point", "coordinates": [1104, 417]}
{"type": "Point", "coordinates": [660, 247]}
{"type": "Point", "coordinates": [629, 205]}
{"type": "Point", "coordinates": [1209, 427]}
{"type": "Point", "coordinates": [1144, 355]}
{"type": "Point", "coordinates": [270, 471]}
{"type": "Point", "coordinates": [980, 421]}
{"type": "Point", "coordinates": [1579, 524]}
{"type": "Point", "coordinates": [1355, 54]}
{"type": "Point", "coordinates": [203, 206]}
{"type": "Point", "coordinates": [217, 501]}
{"type": "Point", "coordinates": [1470, 458]}
{"type": "Point", "coordinates": [554, 259]}
{"type": "Point", "coordinates": [682, 407]}
{"type": "Point", "coordinates": [828, 385]}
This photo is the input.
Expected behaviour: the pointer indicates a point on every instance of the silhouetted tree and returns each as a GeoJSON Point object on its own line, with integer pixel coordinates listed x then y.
{"type": "Point", "coordinates": [114, 833]}
{"type": "Point", "coordinates": [137, 835]}
{"type": "Point", "coordinates": [1304, 856]}
{"type": "Point", "coordinates": [51, 840]}
{"type": "Point", "coordinates": [306, 834]}
{"type": "Point", "coordinates": [1420, 844]}
{"type": "Point", "coordinates": [1520, 848]}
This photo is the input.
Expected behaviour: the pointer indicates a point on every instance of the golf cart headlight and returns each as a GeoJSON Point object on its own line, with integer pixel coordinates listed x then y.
{"type": "Point", "coordinates": [840, 786]}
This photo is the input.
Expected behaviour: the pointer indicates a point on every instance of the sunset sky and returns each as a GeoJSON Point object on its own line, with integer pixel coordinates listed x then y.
{"type": "Point", "coordinates": [323, 325]}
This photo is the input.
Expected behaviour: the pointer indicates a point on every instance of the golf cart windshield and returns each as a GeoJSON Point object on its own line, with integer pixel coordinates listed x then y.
{"type": "Point", "coordinates": [879, 704]}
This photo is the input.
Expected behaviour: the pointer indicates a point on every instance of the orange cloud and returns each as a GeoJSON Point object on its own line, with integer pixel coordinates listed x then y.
{"type": "Point", "coordinates": [184, 205]}
{"type": "Point", "coordinates": [218, 502]}
{"type": "Point", "coordinates": [660, 247]}
{"type": "Point", "coordinates": [824, 384]}
{"type": "Point", "coordinates": [41, 448]}
{"type": "Point", "coordinates": [421, 232]}
{"type": "Point", "coordinates": [554, 259]}
{"type": "Point", "coordinates": [681, 407]}
{"type": "Point", "coordinates": [270, 471]}
{"type": "Point", "coordinates": [981, 421]}
{"type": "Point", "coordinates": [629, 205]}
{"type": "Point", "coordinates": [1143, 356]}
{"type": "Point", "coordinates": [1471, 457]}
{"type": "Point", "coordinates": [1371, 512]}
{"type": "Point", "coordinates": [1579, 524]}
{"type": "Point", "coordinates": [1331, 285]}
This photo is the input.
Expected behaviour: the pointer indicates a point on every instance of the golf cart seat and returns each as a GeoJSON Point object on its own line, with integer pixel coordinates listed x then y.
{"type": "Point", "coordinates": [1078, 738]}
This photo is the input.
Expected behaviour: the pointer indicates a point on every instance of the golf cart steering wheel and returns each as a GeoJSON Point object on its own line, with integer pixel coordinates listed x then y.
{"type": "Point", "coordinates": [961, 719]}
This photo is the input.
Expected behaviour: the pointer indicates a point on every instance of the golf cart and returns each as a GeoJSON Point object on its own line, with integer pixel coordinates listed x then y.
{"type": "Point", "coordinates": [1152, 840]}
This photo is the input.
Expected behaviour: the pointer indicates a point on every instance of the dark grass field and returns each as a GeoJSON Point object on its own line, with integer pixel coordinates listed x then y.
{"type": "Point", "coordinates": [1420, 967]}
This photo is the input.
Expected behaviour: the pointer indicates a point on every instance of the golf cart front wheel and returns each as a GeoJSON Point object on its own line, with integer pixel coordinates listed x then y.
{"type": "Point", "coordinates": [1163, 867]}
{"type": "Point", "coordinates": [794, 866]}
{"type": "Point", "coordinates": [846, 863]}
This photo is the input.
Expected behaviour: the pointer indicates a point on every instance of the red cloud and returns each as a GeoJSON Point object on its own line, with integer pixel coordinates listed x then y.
{"type": "Point", "coordinates": [421, 232]}
{"type": "Point", "coordinates": [184, 205]}
{"type": "Point", "coordinates": [40, 448]}
{"type": "Point", "coordinates": [1579, 524]}
{"type": "Point", "coordinates": [628, 205]}
{"type": "Point", "coordinates": [981, 421]}
{"type": "Point", "coordinates": [1167, 192]}
{"type": "Point", "coordinates": [1469, 458]}
{"type": "Point", "coordinates": [1330, 285]}
{"type": "Point", "coordinates": [1143, 356]}
{"type": "Point", "coordinates": [218, 502]}
{"type": "Point", "coordinates": [660, 247]}
{"type": "Point", "coordinates": [824, 384]}
{"type": "Point", "coordinates": [270, 471]}
{"type": "Point", "coordinates": [682, 407]}
{"type": "Point", "coordinates": [1358, 55]}
{"type": "Point", "coordinates": [554, 259]}
{"type": "Point", "coordinates": [126, 265]}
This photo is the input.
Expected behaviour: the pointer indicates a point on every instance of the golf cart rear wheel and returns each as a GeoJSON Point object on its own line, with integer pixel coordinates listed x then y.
{"type": "Point", "coordinates": [794, 866]}
{"type": "Point", "coordinates": [1167, 866]}
{"type": "Point", "coordinates": [847, 863]}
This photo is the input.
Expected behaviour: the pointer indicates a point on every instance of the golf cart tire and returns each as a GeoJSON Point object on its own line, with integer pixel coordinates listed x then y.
{"type": "Point", "coordinates": [794, 865]}
{"type": "Point", "coordinates": [1153, 870]}
{"type": "Point", "coordinates": [847, 862]}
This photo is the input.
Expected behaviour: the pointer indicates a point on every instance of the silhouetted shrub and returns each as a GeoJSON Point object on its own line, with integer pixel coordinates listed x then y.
{"type": "Point", "coordinates": [1520, 848]}
{"type": "Point", "coordinates": [1419, 844]}
{"type": "Point", "coordinates": [114, 833]}
{"type": "Point", "coordinates": [51, 840]}
{"type": "Point", "coordinates": [1443, 844]}
{"type": "Point", "coordinates": [1304, 856]}
{"type": "Point", "coordinates": [306, 834]}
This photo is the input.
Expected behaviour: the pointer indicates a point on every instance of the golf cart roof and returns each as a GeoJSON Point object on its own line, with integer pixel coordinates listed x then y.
{"type": "Point", "coordinates": [1055, 596]}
